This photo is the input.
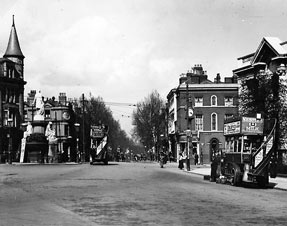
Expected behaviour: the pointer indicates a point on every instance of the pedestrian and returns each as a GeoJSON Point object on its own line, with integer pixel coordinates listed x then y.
{"type": "Point", "coordinates": [195, 159]}
{"type": "Point", "coordinates": [170, 156]}
{"type": "Point", "coordinates": [180, 161]}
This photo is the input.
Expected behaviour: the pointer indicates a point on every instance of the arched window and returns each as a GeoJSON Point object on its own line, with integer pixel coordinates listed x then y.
{"type": "Point", "coordinates": [213, 122]}
{"type": "Point", "coordinates": [213, 100]}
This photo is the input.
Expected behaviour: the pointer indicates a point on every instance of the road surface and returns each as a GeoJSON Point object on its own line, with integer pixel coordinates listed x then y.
{"type": "Point", "coordinates": [129, 194]}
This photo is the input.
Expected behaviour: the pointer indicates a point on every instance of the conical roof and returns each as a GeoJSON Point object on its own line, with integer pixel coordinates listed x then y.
{"type": "Point", "coordinates": [13, 48]}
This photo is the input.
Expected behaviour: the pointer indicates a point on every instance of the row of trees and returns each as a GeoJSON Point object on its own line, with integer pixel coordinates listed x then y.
{"type": "Point", "coordinates": [148, 119]}
{"type": "Point", "coordinates": [93, 111]}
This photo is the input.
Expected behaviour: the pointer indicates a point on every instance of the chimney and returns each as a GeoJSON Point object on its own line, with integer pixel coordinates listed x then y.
{"type": "Point", "coordinates": [62, 99]}
{"type": "Point", "coordinates": [217, 79]}
{"type": "Point", "coordinates": [31, 97]}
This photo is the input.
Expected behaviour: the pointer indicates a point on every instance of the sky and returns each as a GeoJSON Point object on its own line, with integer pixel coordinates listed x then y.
{"type": "Point", "coordinates": [122, 50]}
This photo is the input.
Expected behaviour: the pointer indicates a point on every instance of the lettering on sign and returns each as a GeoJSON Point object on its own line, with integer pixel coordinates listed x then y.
{"type": "Point", "coordinates": [252, 125]}
{"type": "Point", "coordinates": [232, 128]}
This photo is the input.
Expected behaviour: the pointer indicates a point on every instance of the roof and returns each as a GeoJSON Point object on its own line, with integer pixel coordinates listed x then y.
{"type": "Point", "coordinates": [13, 48]}
{"type": "Point", "coordinates": [5, 60]}
{"type": "Point", "coordinates": [276, 43]}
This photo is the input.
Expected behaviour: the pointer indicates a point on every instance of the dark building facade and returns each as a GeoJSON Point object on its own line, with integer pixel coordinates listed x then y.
{"type": "Point", "coordinates": [11, 98]}
{"type": "Point", "coordinates": [198, 108]}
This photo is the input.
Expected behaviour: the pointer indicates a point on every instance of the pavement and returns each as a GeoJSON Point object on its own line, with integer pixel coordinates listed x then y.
{"type": "Point", "coordinates": [279, 182]}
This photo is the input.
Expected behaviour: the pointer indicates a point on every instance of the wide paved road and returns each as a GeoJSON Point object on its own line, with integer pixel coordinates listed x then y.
{"type": "Point", "coordinates": [129, 194]}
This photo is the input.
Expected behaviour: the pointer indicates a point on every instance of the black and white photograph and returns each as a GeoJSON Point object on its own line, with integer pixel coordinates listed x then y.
{"type": "Point", "coordinates": [143, 112]}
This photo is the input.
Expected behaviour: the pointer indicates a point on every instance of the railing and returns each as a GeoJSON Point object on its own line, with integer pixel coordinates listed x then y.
{"type": "Point", "coordinates": [263, 154]}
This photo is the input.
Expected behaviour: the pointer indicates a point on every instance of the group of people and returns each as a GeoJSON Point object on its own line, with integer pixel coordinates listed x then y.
{"type": "Point", "coordinates": [183, 157]}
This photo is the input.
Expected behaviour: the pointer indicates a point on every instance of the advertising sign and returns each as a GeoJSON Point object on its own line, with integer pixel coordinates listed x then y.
{"type": "Point", "coordinates": [97, 132]}
{"type": "Point", "coordinates": [232, 128]}
{"type": "Point", "coordinates": [252, 126]}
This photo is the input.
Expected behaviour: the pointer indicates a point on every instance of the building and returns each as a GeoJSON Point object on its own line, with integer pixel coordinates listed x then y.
{"type": "Point", "coordinates": [269, 59]}
{"type": "Point", "coordinates": [198, 108]}
{"type": "Point", "coordinates": [11, 98]}
{"type": "Point", "coordinates": [60, 112]}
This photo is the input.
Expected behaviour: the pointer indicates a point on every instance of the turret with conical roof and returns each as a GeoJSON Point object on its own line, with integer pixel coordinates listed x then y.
{"type": "Point", "coordinates": [13, 51]}
{"type": "Point", "coordinates": [13, 48]}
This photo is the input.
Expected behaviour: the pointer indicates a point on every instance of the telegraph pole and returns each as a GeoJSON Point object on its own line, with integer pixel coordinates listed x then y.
{"type": "Point", "coordinates": [83, 127]}
{"type": "Point", "coordinates": [187, 128]}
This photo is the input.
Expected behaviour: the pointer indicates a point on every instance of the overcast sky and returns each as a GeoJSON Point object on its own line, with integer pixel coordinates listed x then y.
{"type": "Point", "coordinates": [122, 50]}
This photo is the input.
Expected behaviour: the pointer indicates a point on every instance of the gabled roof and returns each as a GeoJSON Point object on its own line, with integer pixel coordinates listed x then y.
{"type": "Point", "coordinates": [13, 48]}
{"type": "Point", "coordinates": [275, 45]}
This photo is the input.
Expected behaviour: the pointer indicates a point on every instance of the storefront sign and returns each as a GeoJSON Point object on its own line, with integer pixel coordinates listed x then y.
{"type": "Point", "coordinates": [232, 128]}
{"type": "Point", "coordinates": [252, 126]}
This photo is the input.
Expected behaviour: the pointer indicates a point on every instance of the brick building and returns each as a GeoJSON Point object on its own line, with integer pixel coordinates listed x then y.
{"type": "Point", "coordinates": [11, 97]}
{"type": "Point", "coordinates": [199, 106]}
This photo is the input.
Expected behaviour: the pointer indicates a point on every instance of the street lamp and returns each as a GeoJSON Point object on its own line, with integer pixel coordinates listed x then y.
{"type": "Point", "coordinates": [77, 128]}
{"type": "Point", "coordinates": [9, 141]}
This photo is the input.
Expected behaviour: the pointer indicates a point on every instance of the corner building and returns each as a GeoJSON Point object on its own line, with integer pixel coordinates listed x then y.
{"type": "Point", "coordinates": [200, 107]}
{"type": "Point", "coordinates": [11, 97]}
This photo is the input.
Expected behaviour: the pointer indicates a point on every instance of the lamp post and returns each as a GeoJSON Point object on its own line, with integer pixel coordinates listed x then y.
{"type": "Point", "coordinates": [77, 128]}
{"type": "Point", "coordinates": [9, 141]}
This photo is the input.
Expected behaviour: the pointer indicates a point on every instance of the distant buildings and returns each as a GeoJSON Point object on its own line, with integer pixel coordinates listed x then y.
{"type": "Point", "coordinates": [61, 113]}
{"type": "Point", "coordinates": [200, 107]}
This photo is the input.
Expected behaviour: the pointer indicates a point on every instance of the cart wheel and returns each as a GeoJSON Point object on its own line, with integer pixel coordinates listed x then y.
{"type": "Point", "coordinates": [235, 176]}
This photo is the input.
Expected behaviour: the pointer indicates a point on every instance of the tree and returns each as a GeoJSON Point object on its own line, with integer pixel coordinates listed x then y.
{"type": "Point", "coordinates": [147, 119]}
{"type": "Point", "coordinates": [96, 113]}
{"type": "Point", "coordinates": [259, 95]}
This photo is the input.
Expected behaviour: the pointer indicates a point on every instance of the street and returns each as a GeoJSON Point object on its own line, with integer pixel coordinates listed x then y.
{"type": "Point", "coordinates": [129, 194]}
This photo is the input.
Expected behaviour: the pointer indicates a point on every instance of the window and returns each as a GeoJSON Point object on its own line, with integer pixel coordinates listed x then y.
{"type": "Point", "coordinates": [47, 114]}
{"type": "Point", "coordinates": [228, 101]}
{"type": "Point", "coordinates": [199, 122]}
{"type": "Point", "coordinates": [213, 121]}
{"type": "Point", "coordinates": [213, 100]}
{"type": "Point", "coordinates": [198, 102]}
{"type": "Point", "coordinates": [25, 114]}
{"type": "Point", "coordinates": [67, 130]}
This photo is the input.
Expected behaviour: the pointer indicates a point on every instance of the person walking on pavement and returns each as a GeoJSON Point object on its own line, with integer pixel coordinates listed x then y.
{"type": "Point", "coordinates": [180, 161]}
{"type": "Point", "coordinates": [195, 159]}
